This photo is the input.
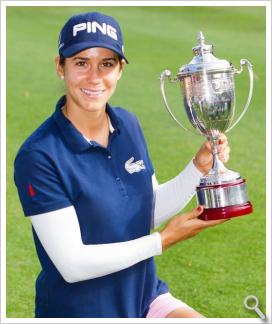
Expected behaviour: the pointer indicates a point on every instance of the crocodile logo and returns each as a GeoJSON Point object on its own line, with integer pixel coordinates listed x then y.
{"type": "Point", "coordinates": [132, 167]}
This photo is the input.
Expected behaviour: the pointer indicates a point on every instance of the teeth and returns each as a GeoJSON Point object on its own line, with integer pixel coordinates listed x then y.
{"type": "Point", "coordinates": [92, 92]}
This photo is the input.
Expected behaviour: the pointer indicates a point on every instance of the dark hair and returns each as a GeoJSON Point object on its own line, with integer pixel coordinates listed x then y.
{"type": "Point", "coordinates": [62, 59]}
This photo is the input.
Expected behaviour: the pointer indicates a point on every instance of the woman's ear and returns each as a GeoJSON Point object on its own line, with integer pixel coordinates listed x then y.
{"type": "Point", "coordinates": [59, 68]}
{"type": "Point", "coordinates": [122, 66]}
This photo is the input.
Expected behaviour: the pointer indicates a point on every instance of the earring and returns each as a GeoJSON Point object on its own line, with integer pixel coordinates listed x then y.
{"type": "Point", "coordinates": [62, 77]}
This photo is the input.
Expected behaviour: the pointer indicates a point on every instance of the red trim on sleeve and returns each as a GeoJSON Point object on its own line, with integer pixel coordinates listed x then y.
{"type": "Point", "coordinates": [31, 191]}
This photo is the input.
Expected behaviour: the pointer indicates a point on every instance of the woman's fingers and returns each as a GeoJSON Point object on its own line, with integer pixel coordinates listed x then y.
{"type": "Point", "coordinates": [224, 154]}
{"type": "Point", "coordinates": [194, 213]}
{"type": "Point", "coordinates": [214, 222]}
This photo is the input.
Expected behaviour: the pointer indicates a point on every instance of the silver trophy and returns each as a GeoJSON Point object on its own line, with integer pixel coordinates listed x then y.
{"type": "Point", "coordinates": [208, 90]}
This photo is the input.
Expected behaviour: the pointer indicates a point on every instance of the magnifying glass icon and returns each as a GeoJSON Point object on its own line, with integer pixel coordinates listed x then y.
{"type": "Point", "coordinates": [248, 304]}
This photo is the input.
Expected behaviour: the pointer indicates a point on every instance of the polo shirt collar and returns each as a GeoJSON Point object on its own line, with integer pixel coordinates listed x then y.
{"type": "Point", "coordinates": [71, 135]}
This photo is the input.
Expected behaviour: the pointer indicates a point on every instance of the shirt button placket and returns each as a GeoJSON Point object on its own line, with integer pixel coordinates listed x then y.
{"type": "Point", "coordinates": [118, 179]}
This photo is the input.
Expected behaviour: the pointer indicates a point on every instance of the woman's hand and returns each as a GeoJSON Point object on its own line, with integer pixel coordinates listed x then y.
{"type": "Point", "coordinates": [185, 226]}
{"type": "Point", "coordinates": [204, 158]}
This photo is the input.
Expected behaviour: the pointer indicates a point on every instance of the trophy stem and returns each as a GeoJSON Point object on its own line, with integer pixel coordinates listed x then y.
{"type": "Point", "coordinates": [218, 174]}
{"type": "Point", "coordinates": [218, 167]}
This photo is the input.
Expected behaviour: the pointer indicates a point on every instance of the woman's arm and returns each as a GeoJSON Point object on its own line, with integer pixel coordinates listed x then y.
{"type": "Point", "coordinates": [173, 195]}
{"type": "Point", "coordinates": [59, 234]}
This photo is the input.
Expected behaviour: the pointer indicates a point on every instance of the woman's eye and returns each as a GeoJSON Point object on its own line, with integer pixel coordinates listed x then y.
{"type": "Point", "coordinates": [107, 64]}
{"type": "Point", "coordinates": [81, 63]}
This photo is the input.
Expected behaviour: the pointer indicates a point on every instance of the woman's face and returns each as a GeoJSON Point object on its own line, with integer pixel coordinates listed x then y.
{"type": "Point", "coordinates": [90, 77]}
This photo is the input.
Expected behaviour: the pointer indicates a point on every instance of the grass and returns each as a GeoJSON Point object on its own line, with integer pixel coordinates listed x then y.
{"type": "Point", "coordinates": [216, 270]}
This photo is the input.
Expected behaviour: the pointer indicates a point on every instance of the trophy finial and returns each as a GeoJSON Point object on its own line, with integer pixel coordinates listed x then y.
{"type": "Point", "coordinates": [201, 49]}
{"type": "Point", "coordinates": [201, 39]}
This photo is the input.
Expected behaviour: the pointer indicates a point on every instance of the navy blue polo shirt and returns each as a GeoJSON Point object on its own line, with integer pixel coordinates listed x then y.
{"type": "Point", "coordinates": [111, 191]}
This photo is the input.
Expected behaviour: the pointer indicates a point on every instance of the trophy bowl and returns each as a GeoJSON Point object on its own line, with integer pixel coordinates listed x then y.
{"type": "Point", "coordinates": [208, 90]}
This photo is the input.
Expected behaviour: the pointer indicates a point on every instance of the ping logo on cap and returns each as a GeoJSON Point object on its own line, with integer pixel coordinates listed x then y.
{"type": "Point", "coordinates": [93, 27]}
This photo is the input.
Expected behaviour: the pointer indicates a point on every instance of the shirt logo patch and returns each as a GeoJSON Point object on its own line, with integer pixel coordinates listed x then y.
{"type": "Point", "coordinates": [132, 167]}
{"type": "Point", "coordinates": [31, 191]}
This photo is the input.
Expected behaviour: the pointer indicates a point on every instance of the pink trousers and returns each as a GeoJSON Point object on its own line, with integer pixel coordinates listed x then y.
{"type": "Point", "coordinates": [163, 305]}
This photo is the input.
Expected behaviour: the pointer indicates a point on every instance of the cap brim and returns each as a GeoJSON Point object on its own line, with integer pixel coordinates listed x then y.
{"type": "Point", "coordinates": [76, 48]}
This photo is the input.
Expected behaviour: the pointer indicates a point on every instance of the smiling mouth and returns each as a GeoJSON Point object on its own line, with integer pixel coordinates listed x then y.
{"type": "Point", "coordinates": [92, 93]}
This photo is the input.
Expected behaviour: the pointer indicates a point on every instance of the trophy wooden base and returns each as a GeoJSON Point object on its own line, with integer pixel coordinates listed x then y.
{"type": "Point", "coordinates": [226, 212]}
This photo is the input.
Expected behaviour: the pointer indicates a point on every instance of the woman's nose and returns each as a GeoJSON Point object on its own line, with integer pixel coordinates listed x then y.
{"type": "Point", "coordinates": [94, 75]}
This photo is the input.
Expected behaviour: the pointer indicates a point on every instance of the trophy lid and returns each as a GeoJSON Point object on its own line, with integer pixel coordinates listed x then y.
{"type": "Point", "coordinates": [204, 60]}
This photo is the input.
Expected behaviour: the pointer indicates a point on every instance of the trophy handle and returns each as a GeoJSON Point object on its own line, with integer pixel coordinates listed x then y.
{"type": "Point", "coordinates": [250, 71]}
{"type": "Point", "coordinates": [167, 74]}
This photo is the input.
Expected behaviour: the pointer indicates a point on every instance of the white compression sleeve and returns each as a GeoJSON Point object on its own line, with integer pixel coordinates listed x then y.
{"type": "Point", "coordinates": [59, 234]}
{"type": "Point", "coordinates": [173, 195]}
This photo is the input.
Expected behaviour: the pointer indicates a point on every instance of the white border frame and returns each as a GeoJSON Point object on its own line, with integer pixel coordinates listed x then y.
{"type": "Point", "coordinates": [5, 4]}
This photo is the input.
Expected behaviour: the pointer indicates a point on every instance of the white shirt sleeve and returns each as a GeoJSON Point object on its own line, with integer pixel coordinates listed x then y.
{"type": "Point", "coordinates": [59, 234]}
{"type": "Point", "coordinates": [175, 194]}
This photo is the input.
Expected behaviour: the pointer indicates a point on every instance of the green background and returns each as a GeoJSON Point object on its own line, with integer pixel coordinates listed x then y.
{"type": "Point", "coordinates": [216, 270]}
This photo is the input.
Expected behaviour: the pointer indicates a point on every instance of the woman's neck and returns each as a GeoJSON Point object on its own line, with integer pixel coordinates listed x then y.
{"type": "Point", "coordinates": [93, 125]}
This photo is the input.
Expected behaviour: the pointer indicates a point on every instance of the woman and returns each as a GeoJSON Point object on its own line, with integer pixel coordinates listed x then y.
{"type": "Point", "coordinates": [86, 181]}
